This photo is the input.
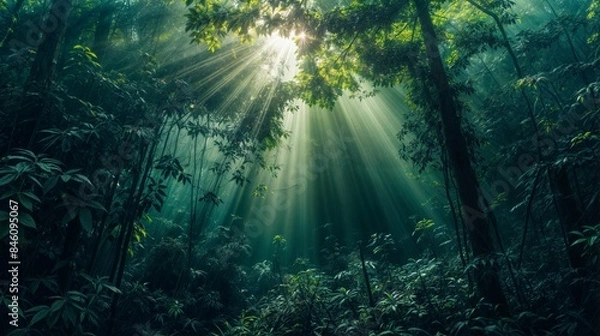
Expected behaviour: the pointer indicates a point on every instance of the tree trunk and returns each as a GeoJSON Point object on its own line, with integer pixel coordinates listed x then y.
{"type": "Point", "coordinates": [40, 74]}
{"type": "Point", "coordinates": [65, 272]}
{"type": "Point", "coordinates": [102, 30]}
{"type": "Point", "coordinates": [28, 117]}
{"type": "Point", "coordinates": [488, 280]}
{"type": "Point", "coordinates": [570, 213]}
{"type": "Point", "coordinates": [573, 218]}
{"type": "Point", "coordinates": [144, 168]}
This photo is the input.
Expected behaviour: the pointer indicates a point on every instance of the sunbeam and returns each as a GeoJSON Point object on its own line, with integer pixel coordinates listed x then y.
{"type": "Point", "coordinates": [329, 174]}
{"type": "Point", "coordinates": [338, 167]}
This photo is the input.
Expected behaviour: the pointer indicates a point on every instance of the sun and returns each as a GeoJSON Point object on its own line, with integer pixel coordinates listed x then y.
{"type": "Point", "coordinates": [284, 49]}
{"type": "Point", "coordinates": [301, 36]}
{"type": "Point", "coordinates": [287, 43]}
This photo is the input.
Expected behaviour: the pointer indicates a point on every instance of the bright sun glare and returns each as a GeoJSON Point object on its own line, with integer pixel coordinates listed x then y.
{"type": "Point", "coordinates": [284, 49]}
{"type": "Point", "coordinates": [301, 35]}
{"type": "Point", "coordinates": [287, 43]}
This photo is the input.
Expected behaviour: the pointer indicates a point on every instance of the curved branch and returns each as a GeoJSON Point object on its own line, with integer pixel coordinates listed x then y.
{"type": "Point", "coordinates": [505, 40]}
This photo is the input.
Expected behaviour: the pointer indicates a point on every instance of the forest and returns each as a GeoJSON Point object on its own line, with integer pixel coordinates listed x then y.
{"type": "Point", "coordinates": [300, 167]}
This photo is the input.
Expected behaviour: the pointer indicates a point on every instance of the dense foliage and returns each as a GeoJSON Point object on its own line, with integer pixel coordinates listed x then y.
{"type": "Point", "coordinates": [120, 142]}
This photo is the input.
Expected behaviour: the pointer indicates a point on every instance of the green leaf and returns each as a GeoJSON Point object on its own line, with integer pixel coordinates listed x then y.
{"type": "Point", "coordinates": [9, 194]}
{"type": "Point", "coordinates": [50, 184]}
{"type": "Point", "coordinates": [580, 241]}
{"type": "Point", "coordinates": [36, 181]}
{"type": "Point", "coordinates": [7, 179]}
{"type": "Point", "coordinates": [32, 196]}
{"type": "Point", "coordinates": [112, 288]}
{"type": "Point", "coordinates": [25, 201]}
{"type": "Point", "coordinates": [76, 295]}
{"type": "Point", "coordinates": [85, 218]}
{"type": "Point", "coordinates": [40, 315]}
{"type": "Point", "coordinates": [36, 309]}
{"type": "Point", "coordinates": [70, 315]}
{"type": "Point", "coordinates": [95, 205]}
{"type": "Point", "coordinates": [26, 220]}
{"type": "Point", "coordinates": [57, 306]}
{"type": "Point", "coordinates": [52, 319]}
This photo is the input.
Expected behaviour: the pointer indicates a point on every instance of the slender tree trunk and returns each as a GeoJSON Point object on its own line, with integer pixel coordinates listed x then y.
{"type": "Point", "coordinates": [194, 183]}
{"type": "Point", "coordinates": [366, 275]}
{"type": "Point", "coordinates": [144, 168]}
{"type": "Point", "coordinates": [42, 69]}
{"type": "Point", "coordinates": [105, 17]}
{"type": "Point", "coordinates": [570, 214]}
{"type": "Point", "coordinates": [64, 273]}
{"type": "Point", "coordinates": [102, 225]}
{"type": "Point", "coordinates": [129, 204]}
{"type": "Point", "coordinates": [27, 119]}
{"type": "Point", "coordinates": [488, 280]}
{"type": "Point", "coordinates": [573, 218]}
{"type": "Point", "coordinates": [505, 40]}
